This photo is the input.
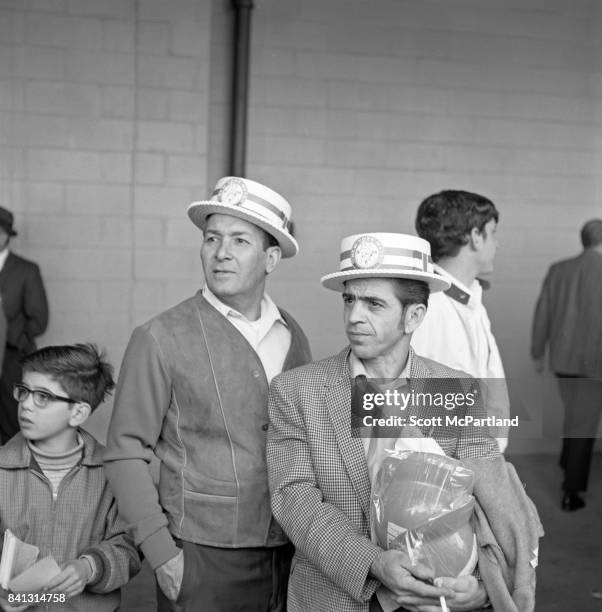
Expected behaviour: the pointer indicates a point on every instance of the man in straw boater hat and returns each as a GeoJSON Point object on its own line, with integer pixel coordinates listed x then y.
{"type": "Point", "coordinates": [320, 469]}
{"type": "Point", "coordinates": [193, 392]}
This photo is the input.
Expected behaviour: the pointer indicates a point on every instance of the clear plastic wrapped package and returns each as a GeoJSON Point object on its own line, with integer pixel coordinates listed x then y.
{"type": "Point", "coordinates": [422, 504]}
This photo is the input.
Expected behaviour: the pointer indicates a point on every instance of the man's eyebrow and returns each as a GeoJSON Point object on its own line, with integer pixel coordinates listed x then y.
{"type": "Point", "coordinates": [43, 389]}
{"type": "Point", "coordinates": [235, 233]}
{"type": "Point", "coordinates": [373, 298]}
{"type": "Point", "coordinates": [364, 298]}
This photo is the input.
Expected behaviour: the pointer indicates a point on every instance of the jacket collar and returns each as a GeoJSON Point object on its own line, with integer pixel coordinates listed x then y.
{"type": "Point", "coordinates": [419, 368]}
{"type": "Point", "coordinates": [338, 368]}
{"type": "Point", "coordinates": [298, 352]}
{"type": "Point", "coordinates": [458, 291]}
{"type": "Point", "coordinates": [15, 454]}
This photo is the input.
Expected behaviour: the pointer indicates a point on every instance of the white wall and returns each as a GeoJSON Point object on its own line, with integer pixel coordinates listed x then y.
{"type": "Point", "coordinates": [361, 109]}
{"type": "Point", "coordinates": [104, 121]}
{"type": "Point", "coordinates": [113, 118]}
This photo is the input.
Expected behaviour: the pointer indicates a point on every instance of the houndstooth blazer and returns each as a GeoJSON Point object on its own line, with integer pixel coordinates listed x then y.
{"type": "Point", "coordinates": [320, 486]}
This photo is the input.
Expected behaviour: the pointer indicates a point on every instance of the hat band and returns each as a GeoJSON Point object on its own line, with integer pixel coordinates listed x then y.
{"type": "Point", "coordinates": [384, 267]}
{"type": "Point", "coordinates": [418, 256]}
{"type": "Point", "coordinates": [264, 204]}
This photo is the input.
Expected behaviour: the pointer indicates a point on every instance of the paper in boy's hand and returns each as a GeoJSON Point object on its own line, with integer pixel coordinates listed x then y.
{"type": "Point", "coordinates": [19, 571]}
{"type": "Point", "coordinates": [17, 556]}
{"type": "Point", "coordinates": [36, 577]}
{"type": "Point", "coordinates": [25, 556]}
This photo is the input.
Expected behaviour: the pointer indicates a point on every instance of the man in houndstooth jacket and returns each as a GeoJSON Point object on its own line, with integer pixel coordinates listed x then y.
{"type": "Point", "coordinates": [320, 473]}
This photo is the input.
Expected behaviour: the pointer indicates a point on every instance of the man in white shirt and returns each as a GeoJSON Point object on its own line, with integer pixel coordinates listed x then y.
{"type": "Point", "coordinates": [192, 392]}
{"type": "Point", "coordinates": [461, 229]}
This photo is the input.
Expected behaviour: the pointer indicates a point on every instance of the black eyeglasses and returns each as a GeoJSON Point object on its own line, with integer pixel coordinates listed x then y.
{"type": "Point", "coordinates": [40, 398]}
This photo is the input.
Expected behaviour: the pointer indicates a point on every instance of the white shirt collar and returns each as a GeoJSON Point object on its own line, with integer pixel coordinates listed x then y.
{"type": "Point", "coordinates": [475, 290]}
{"type": "Point", "coordinates": [356, 366]}
{"type": "Point", "coordinates": [3, 256]}
{"type": "Point", "coordinates": [269, 312]}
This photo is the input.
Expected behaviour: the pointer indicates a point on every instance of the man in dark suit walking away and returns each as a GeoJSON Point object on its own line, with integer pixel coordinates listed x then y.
{"type": "Point", "coordinates": [26, 310]}
{"type": "Point", "coordinates": [568, 319]}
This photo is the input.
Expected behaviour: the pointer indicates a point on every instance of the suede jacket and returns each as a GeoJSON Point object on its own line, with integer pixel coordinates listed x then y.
{"type": "Point", "coordinates": [193, 393]}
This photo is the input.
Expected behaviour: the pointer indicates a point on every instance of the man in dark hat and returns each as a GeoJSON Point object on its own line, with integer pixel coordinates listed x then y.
{"type": "Point", "coordinates": [26, 310]}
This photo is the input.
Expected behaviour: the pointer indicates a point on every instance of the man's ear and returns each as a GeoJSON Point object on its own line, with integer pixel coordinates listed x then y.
{"type": "Point", "coordinates": [414, 315]}
{"type": "Point", "coordinates": [475, 239]}
{"type": "Point", "coordinates": [273, 256]}
{"type": "Point", "coordinates": [79, 413]}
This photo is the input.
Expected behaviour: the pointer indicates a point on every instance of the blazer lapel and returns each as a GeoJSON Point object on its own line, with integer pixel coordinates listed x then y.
{"type": "Point", "coordinates": [418, 369]}
{"type": "Point", "coordinates": [338, 403]}
{"type": "Point", "coordinates": [419, 374]}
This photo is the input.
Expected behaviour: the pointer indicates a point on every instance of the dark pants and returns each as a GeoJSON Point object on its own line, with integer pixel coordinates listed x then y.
{"type": "Point", "coordinates": [375, 605]}
{"type": "Point", "coordinates": [231, 580]}
{"type": "Point", "coordinates": [11, 374]}
{"type": "Point", "coordinates": [582, 398]}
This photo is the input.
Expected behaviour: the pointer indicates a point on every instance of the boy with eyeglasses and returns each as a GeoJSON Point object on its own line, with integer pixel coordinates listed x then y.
{"type": "Point", "coordinates": [54, 491]}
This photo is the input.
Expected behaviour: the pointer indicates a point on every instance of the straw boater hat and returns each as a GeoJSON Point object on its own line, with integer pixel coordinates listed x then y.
{"type": "Point", "coordinates": [252, 202]}
{"type": "Point", "coordinates": [382, 255]}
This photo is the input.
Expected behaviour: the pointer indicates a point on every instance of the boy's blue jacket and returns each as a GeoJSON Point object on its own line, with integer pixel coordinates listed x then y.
{"type": "Point", "coordinates": [83, 519]}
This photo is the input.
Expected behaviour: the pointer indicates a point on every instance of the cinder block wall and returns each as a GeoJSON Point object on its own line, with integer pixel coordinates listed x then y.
{"type": "Point", "coordinates": [104, 115]}
{"type": "Point", "coordinates": [113, 117]}
{"type": "Point", "coordinates": [596, 29]}
{"type": "Point", "coordinates": [361, 109]}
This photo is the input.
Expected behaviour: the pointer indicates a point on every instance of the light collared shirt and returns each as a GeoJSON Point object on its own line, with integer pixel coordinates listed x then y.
{"type": "Point", "coordinates": [3, 256]}
{"type": "Point", "coordinates": [375, 447]}
{"type": "Point", "coordinates": [269, 335]}
{"type": "Point", "coordinates": [456, 332]}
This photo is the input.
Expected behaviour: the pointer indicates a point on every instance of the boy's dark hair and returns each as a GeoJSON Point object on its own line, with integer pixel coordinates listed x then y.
{"type": "Point", "coordinates": [80, 369]}
{"type": "Point", "coordinates": [446, 219]}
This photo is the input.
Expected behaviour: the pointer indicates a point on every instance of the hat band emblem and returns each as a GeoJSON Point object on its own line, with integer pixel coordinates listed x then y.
{"type": "Point", "coordinates": [369, 253]}
{"type": "Point", "coordinates": [233, 193]}
{"type": "Point", "coordinates": [237, 200]}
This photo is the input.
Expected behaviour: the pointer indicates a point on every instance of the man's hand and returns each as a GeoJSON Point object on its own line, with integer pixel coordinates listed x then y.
{"type": "Point", "coordinates": [407, 581]}
{"type": "Point", "coordinates": [72, 580]}
{"type": "Point", "coordinates": [469, 593]}
{"type": "Point", "coordinates": [170, 575]}
{"type": "Point", "coordinates": [538, 364]}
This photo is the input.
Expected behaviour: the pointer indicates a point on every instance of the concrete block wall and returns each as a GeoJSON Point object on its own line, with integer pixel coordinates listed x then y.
{"type": "Point", "coordinates": [596, 30]}
{"type": "Point", "coordinates": [103, 120]}
{"type": "Point", "coordinates": [360, 111]}
{"type": "Point", "coordinates": [113, 117]}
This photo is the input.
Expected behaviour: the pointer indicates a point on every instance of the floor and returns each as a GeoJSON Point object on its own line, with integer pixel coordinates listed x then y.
{"type": "Point", "coordinates": [570, 556]}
